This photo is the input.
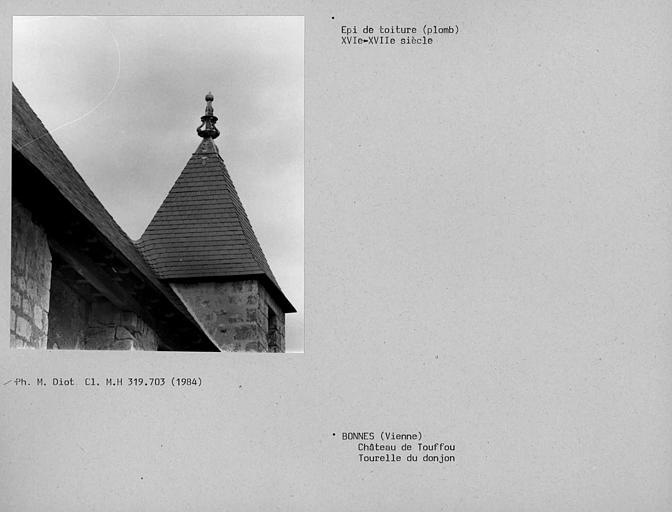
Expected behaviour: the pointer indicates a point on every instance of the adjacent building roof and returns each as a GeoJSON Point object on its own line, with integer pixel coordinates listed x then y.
{"type": "Point", "coordinates": [201, 231]}
{"type": "Point", "coordinates": [33, 142]}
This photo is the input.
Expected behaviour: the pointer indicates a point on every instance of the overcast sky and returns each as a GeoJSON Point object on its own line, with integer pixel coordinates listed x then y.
{"type": "Point", "coordinates": [123, 97]}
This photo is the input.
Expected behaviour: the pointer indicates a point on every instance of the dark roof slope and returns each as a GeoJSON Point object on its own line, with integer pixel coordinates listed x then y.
{"type": "Point", "coordinates": [201, 230]}
{"type": "Point", "coordinates": [33, 141]}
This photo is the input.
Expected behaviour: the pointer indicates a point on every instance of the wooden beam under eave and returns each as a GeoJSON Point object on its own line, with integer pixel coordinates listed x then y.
{"type": "Point", "coordinates": [96, 277]}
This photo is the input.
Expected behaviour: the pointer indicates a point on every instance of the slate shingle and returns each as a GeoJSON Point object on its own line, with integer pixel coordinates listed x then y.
{"type": "Point", "coordinates": [201, 230]}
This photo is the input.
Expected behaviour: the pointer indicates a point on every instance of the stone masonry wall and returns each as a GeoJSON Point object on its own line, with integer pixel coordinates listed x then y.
{"type": "Point", "coordinates": [72, 322]}
{"type": "Point", "coordinates": [266, 302]}
{"type": "Point", "coordinates": [234, 313]}
{"type": "Point", "coordinates": [99, 325]}
{"type": "Point", "coordinates": [68, 317]}
{"type": "Point", "coordinates": [31, 278]}
{"type": "Point", "coordinates": [112, 329]}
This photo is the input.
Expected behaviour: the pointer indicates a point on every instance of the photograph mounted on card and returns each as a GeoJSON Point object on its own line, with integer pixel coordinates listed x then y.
{"type": "Point", "coordinates": [117, 244]}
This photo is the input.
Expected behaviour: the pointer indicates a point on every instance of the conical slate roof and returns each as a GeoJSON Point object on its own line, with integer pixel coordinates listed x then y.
{"type": "Point", "coordinates": [201, 231]}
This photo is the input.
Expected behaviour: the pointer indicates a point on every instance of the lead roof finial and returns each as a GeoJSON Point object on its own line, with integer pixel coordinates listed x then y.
{"type": "Point", "coordinates": [207, 128]}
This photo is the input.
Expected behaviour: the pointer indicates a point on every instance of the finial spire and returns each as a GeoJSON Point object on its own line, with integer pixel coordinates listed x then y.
{"type": "Point", "coordinates": [207, 128]}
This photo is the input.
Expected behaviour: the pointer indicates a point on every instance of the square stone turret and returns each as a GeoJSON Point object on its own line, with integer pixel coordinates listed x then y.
{"type": "Point", "coordinates": [201, 242]}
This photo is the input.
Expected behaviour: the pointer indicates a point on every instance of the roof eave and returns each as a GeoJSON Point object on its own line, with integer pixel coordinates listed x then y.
{"type": "Point", "coordinates": [273, 289]}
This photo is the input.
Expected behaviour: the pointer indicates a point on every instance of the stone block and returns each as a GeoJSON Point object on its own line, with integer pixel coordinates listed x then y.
{"type": "Point", "coordinates": [16, 299]}
{"type": "Point", "coordinates": [12, 320]}
{"type": "Point", "coordinates": [43, 296]}
{"type": "Point", "coordinates": [125, 344]}
{"type": "Point", "coordinates": [19, 259]}
{"type": "Point", "coordinates": [45, 321]}
{"type": "Point", "coordinates": [252, 346]}
{"type": "Point", "coordinates": [148, 341]}
{"type": "Point", "coordinates": [202, 290]}
{"type": "Point", "coordinates": [38, 339]}
{"type": "Point", "coordinates": [144, 329]}
{"type": "Point", "coordinates": [130, 321]}
{"type": "Point", "coordinates": [27, 307]}
{"type": "Point", "coordinates": [23, 327]}
{"type": "Point", "coordinates": [18, 282]}
{"type": "Point", "coordinates": [235, 318]}
{"type": "Point", "coordinates": [36, 314]}
{"type": "Point", "coordinates": [45, 269]}
{"type": "Point", "coordinates": [246, 332]}
{"type": "Point", "coordinates": [36, 251]}
{"type": "Point", "coordinates": [32, 288]}
{"type": "Point", "coordinates": [121, 333]}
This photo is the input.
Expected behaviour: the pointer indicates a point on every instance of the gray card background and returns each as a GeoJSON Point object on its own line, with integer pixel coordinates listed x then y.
{"type": "Point", "coordinates": [487, 260]}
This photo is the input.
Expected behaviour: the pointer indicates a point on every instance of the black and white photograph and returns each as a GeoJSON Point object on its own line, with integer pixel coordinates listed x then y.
{"type": "Point", "coordinates": [157, 183]}
{"type": "Point", "coordinates": [313, 256]}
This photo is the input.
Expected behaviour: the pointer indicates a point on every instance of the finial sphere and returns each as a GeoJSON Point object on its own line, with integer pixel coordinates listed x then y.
{"type": "Point", "coordinates": [209, 97]}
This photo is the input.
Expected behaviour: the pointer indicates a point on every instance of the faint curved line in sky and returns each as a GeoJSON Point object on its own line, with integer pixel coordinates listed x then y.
{"type": "Point", "coordinates": [109, 93]}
